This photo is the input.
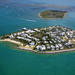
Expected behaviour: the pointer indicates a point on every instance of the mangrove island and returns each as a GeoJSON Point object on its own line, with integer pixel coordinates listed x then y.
{"type": "Point", "coordinates": [48, 14]}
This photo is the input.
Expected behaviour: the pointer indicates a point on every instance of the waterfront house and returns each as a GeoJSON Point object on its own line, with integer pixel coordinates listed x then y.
{"type": "Point", "coordinates": [24, 29]}
{"type": "Point", "coordinates": [43, 48]}
{"type": "Point", "coordinates": [30, 31]}
{"type": "Point", "coordinates": [57, 47]}
{"type": "Point", "coordinates": [11, 36]}
{"type": "Point", "coordinates": [48, 47]}
{"type": "Point", "coordinates": [61, 46]}
{"type": "Point", "coordinates": [39, 47]}
{"type": "Point", "coordinates": [37, 30]}
{"type": "Point", "coordinates": [14, 34]}
{"type": "Point", "coordinates": [52, 47]}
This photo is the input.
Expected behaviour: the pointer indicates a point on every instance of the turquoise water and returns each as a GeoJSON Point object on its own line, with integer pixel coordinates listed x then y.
{"type": "Point", "coordinates": [16, 62]}
{"type": "Point", "coordinates": [13, 16]}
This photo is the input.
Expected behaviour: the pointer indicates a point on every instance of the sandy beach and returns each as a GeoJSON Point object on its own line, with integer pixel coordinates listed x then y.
{"type": "Point", "coordinates": [12, 41]}
{"type": "Point", "coordinates": [47, 52]}
{"type": "Point", "coordinates": [28, 48]}
{"type": "Point", "coordinates": [59, 51]}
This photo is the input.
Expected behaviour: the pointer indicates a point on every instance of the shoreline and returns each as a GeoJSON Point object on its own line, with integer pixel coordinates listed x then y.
{"type": "Point", "coordinates": [20, 46]}
{"type": "Point", "coordinates": [12, 41]}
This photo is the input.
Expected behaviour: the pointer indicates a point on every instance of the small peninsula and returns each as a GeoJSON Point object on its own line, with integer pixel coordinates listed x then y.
{"type": "Point", "coordinates": [50, 14]}
{"type": "Point", "coordinates": [53, 39]}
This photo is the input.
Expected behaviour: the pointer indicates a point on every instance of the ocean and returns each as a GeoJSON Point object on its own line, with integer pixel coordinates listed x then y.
{"type": "Point", "coordinates": [16, 14]}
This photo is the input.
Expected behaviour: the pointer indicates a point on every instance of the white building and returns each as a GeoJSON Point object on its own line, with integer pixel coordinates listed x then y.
{"type": "Point", "coordinates": [37, 30]}
{"type": "Point", "coordinates": [31, 43]}
{"type": "Point", "coordinates": [43, 38]}
{"type": "Point", "coordinates": [48, 47]}
{"type": "Point", "coordinates": [61, 46]}
{"type": "Point", "coordinates": [57, 47]}
{"type": "Point", "coordinates": [24, 28]}
{"type": "Point", "coordinates": [38, 47]}
{"type": "Point", "coordinates": [30, 31]}
{"type": "Point", "coordinates": [43, 47]}
{"type": "Point", "coordinates": [11, 36]}
{"type": "Point", "coordinates": [52, 47]}
{"type": "Point", "coordinates": [45, 42]}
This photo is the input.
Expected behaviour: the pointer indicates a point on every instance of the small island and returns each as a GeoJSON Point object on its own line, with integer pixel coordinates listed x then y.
{"type": "Point", "coordinates": [53, 39]}
{"type": "Point", "coordinates": [50, 14]}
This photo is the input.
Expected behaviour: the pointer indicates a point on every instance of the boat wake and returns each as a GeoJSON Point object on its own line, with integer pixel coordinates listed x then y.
{"type": "Point", "coordinates": [30, 20]}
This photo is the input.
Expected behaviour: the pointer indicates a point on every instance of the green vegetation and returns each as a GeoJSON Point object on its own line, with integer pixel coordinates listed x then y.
{"type": "Point", "coordinates": [52, 14]}
{"type": "Point", "coordinates": [5, 36]}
